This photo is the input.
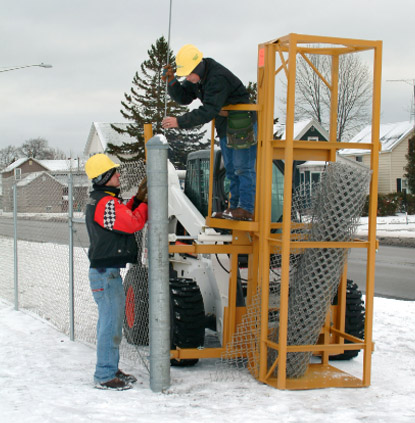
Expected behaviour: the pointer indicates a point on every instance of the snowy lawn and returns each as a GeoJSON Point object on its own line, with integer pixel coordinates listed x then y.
{"type": "Point", "coordinates": [44, 377]}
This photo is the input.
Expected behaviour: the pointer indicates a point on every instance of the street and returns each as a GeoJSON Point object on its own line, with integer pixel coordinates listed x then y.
{"type": "Point", "coordinates": [394, 274]}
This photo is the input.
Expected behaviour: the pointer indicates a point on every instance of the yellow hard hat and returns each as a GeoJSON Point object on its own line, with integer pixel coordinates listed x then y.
{"type": "Point", "coordinates": [187, 59]}
{"type": "Point", "coordinates": [99, 164]}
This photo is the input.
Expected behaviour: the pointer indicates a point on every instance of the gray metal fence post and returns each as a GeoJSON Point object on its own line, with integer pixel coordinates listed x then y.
{"type": "Point", "coordinates": [16, 279]}
{"type": "Point", "coordinates": [158, 259]}
{"type": "Point", "coordinates": [71, 268]}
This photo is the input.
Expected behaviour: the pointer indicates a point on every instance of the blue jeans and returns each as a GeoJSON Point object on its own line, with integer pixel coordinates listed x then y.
{"type": "Point", "coordinates": [108, 292]}
{"type": "Point", "coordinates": [240, 170]}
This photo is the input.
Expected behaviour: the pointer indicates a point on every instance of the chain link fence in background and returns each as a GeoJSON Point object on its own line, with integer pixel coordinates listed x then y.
{"type": "Point", "coordinates": [51, 247]}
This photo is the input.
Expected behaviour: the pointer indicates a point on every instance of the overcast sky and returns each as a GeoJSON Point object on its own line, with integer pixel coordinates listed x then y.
{"type": "Point", "coordinates": [96, 46]}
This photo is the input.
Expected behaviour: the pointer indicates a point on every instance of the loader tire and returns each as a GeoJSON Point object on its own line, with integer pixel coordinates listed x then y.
{"type": "Point", "coordinates": [136, 322]}
{"type": "Point", "coordinates": [355, 319]}
{"type": "Point", "coordinates": [187, 318]}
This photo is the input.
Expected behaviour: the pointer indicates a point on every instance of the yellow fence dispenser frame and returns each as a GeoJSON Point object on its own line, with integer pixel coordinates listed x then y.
{"type": "Point", "coordinates": [275, 58]}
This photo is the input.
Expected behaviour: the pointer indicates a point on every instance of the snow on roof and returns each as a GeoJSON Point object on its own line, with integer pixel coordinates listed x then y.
{"type": "Point", "coordinates": [63, 165]}
{"type": "Point", "coordinates": [18, 163]}
{"type": "Point", "coordinates": [300, 128]}
{"type": "Point", "coordinates": [52, 165]}
{"type": "Point", "coordinates": [390, 135]}
{"type": "Point", "coordinates": [108, 135]}
{"type": "Point", "coordinates": [30, 177]}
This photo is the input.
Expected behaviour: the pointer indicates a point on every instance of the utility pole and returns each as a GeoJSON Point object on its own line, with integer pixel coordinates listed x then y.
{"type": "Point", "coordinates": [409, 82]}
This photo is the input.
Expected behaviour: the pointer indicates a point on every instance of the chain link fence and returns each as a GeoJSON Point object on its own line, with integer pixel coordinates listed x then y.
{"type": "Point", "coordinates": [44, 246]}
{"type": "Point", "coordinates": [43, 236]}
{"type": "Point", "coordinates": [331, 213]}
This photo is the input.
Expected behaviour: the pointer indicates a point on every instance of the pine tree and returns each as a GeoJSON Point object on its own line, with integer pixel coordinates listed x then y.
{"type": "Point", "coordinates": [146, 104]}
{"type": "Point", "coordinates": [410, 166]}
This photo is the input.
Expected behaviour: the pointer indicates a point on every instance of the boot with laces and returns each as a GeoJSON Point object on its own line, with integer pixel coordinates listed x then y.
{"type": "Point", "coordinates": [220, 215]}
{"type": "Point", "coordinates": [238, 214]}
{"type": "Point", "coordinates": [125, 377]}
{"type": "Point", "coordinates": [115, 384]}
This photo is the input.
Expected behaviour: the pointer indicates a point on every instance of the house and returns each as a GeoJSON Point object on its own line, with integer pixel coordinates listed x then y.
{"type": "Point", "coordinates": [42, 185]}
{"type": "Point", "coordinates": [39, 192]}
{"type": "Point", "coordinates": [304, 130]}
{"type": "Point", "coordinates": [394, 138]}
{"type": "Point", "coordinates": [310, 171]}
{"type": "Point", "coordinates": [101, 134]}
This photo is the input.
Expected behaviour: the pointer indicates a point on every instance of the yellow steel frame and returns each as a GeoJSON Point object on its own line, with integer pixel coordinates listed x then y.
{"type": "Point", "coordinates": [287, 49]}
{"type": "Point", "coordinates": [255, 238]}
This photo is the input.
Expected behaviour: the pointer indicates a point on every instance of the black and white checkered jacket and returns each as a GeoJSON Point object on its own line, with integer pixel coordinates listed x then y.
{"type": "Point", "coordinates": [111, 225]}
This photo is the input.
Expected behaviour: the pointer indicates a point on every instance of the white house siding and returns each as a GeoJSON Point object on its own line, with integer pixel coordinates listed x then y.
{"type": "Point", "coordinates": [384, 185]}
{"type": "Point", "coordinates": [96, 145]}
{"type": "Point", "coordinates": [398, 157]}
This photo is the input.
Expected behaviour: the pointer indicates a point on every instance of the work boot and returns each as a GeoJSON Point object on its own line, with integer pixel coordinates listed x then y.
{"type": "Point", "coordinates": [219, 215]}
{"type": "Point", "coordinates": [238, 214]}
{"type": "Point", "coordinates": [115, 384]}
{"type": "Point", "coordinates": [125, 377]}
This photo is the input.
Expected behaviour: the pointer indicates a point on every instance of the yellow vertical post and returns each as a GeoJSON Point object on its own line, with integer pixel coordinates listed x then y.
{"type": "Point", "coordinates": [148, 133]}
{"type": "Point", "coordinates": [334, 103]}
{"type": "Point", "coordinates": [212, 166]}
{"type": "Point", "coordinates": [286, 219]}
{"type": "Point", "coordinates": [263, 215]}
{"type": "Point", "coordinates": [374, 164]}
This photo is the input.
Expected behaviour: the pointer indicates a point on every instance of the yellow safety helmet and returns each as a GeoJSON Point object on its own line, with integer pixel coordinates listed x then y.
{"type": "Point", "coordinates": [188, 57]}
{"type": "Point", "coordinates": [99, 164]}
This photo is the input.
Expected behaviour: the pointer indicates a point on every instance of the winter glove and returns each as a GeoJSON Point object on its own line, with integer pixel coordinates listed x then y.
{"type": "Point", "coordinates": [142, 191]}
{"type": "Point", "coordinates": [168, 75]}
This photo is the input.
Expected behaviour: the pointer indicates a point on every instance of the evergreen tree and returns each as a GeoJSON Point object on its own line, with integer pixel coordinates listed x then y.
{"type": "Point", "coordinates": [252, 91]}
{"type": "Point", "coordinates": [410, 166]}
{"type": "Point", "coordinates": [146, 104]}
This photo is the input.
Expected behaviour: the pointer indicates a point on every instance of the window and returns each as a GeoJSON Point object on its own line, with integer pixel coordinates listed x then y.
{"type": "Point", "coordinates": [398, 185]}
{"type": "Point", "coordinates": [315, 178]}
{"type": "Point", "coordinates": [359, 159]}
{"type": "Point", "coordinates": [17, 174]}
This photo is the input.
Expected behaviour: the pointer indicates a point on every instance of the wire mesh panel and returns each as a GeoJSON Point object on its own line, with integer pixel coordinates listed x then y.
{"type": "Point", "coordinates": [136, 326]}
{"type": "Point", "coordinates": [331, 213]}
{"type": "Point", "coordinates": [7, 241]}
{"type": "Point", "coordinates": [43, 234]}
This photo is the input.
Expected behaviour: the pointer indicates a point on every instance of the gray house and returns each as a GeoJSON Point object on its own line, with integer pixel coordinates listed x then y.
{"type": "Point", "coordinates": [42, 185]}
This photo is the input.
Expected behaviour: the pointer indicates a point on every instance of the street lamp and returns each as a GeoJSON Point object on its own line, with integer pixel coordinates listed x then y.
{"type": "Point", "coordinates": [42, 65]}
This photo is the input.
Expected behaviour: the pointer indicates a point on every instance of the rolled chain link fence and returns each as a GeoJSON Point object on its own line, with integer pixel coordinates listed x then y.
{"type": "Point", "coordinates": [328, 211]}
{"type": "Point", "coordinates": [44, 253]}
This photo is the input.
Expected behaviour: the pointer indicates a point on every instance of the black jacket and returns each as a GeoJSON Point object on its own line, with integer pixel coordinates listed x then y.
{"type": "Point", "coordinates": [111, 226]}
{"type": "Point", "coordinates": [217, 88]}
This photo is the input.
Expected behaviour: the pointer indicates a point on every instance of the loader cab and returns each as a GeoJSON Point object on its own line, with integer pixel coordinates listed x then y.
{"type": "Point", "coordinates": [197, 183]}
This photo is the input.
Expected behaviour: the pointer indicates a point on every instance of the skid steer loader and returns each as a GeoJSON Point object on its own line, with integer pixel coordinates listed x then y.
{"type": "Point", "coordinates": [199, 283]}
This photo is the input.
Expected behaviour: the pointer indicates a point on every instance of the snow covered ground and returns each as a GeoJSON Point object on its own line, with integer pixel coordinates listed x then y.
{"type": "Point", "coordinates": [44, 377]}
{"type": "Point", "coordinates": [399, 230]}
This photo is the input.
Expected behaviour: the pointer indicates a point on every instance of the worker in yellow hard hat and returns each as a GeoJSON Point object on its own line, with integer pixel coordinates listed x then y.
{"type": "Point", "coordinates": [216, 87]}
{"type": "Point", "coordinates": [111, 225]}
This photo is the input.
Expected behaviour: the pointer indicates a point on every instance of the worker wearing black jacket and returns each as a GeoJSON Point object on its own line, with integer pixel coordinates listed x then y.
{"type": "Point", "coordinates": [216, 87]}
{"type": "Point", "coordinates": [111, 225]}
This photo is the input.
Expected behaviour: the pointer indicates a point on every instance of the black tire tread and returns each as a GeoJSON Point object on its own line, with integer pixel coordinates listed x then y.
{"type": "Point", "coordinates": [355, 319]}
{"type": "Point", "coordinates": [188, 317]}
